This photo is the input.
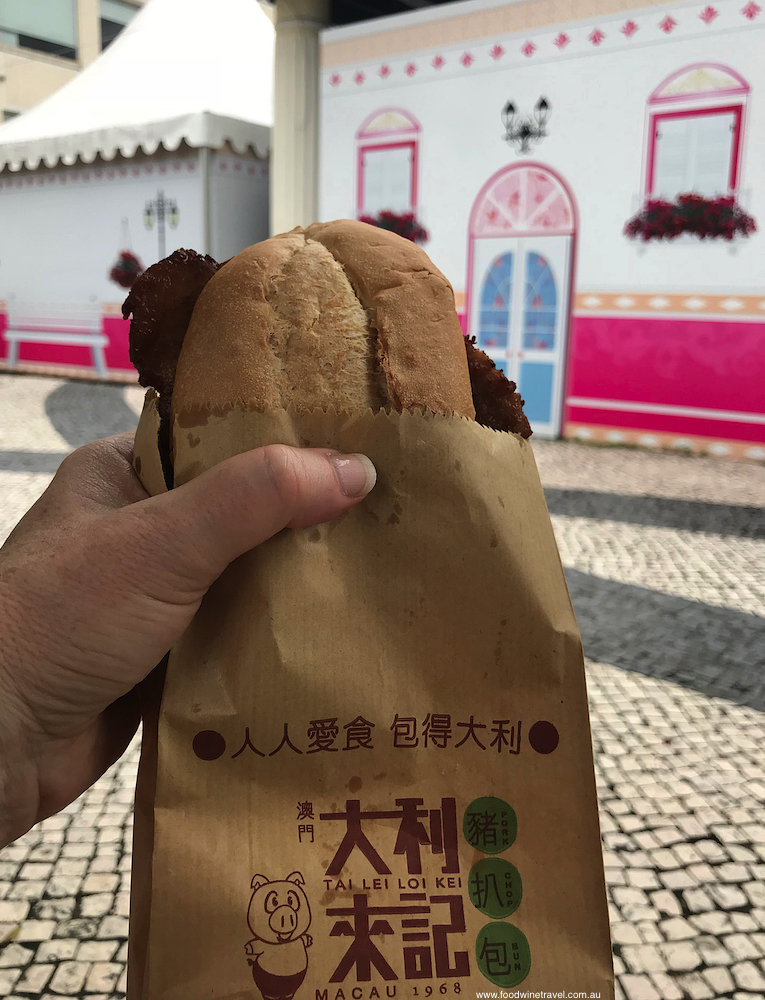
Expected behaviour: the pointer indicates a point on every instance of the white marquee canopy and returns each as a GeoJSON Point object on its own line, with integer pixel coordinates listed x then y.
{"type": "Point", "coordinates": [193, 70]}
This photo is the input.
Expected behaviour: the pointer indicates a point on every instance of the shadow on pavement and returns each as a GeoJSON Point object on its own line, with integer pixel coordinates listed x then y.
{"type": "Point", "coordinates": [31, 461]}
{"type": "Point", "coordinates": [715, 651]}
{"type": "Point", "coordinates": [83, 412]}
{"type": "Point", "coordinates": [688, 515]}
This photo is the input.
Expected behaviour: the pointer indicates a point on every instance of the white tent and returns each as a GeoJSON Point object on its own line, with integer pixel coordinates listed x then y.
{"type": "Point", "coordinates": [173, 119]}
{"type": "Point", "coordinates": [193, 70]}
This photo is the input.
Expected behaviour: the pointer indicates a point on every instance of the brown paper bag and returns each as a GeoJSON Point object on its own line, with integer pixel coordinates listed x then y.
{"type": "Point", "coordinates": [373, 769]}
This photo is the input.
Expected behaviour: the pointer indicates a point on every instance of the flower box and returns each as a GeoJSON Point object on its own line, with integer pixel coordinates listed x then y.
{"type": "Point", "coordinates": [402, 223]}
{"type": "Point", "coordinates": [691, 214]}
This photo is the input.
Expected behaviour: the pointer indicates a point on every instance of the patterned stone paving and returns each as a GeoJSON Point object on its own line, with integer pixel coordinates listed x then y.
{"type": "Point", "coordinates": [665, 558]}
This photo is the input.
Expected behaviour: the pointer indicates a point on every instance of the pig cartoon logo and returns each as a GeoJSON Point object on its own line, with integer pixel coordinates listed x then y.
{"type": "Point", "coordinates": [278, 917]}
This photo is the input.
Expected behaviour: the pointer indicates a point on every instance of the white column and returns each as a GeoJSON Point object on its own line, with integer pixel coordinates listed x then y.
{"type": "Point", "coordinates": [204, 180]}
{"type": "Point", "coordinates": [88, 31]}
{"type": "Point", "coordinates": [294, 168]}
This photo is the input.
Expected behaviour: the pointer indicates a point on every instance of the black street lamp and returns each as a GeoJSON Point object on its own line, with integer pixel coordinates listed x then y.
{"type": "Point", "coordinates": [523, 130]}
{"type": "Point", "coordinates": [161, 208]}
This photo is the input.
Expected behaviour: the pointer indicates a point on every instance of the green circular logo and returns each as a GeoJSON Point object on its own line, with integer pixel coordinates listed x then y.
{"type": "Point", "coordinates": [495, 887]}
{"type": "Point", "coordinates": [503, 954]}
{"type": "Point", "coordinates": [489, 825]}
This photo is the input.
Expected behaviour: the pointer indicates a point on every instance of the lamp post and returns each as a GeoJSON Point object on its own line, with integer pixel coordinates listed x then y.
{"type": "Point", "coordinates": [161, 208]}
{"type": "Point", "coordinates": [523, 130]}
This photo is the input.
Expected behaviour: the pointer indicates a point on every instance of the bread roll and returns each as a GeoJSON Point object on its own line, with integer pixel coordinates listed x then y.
{"type": "Point", "coordinates": [342, 315]}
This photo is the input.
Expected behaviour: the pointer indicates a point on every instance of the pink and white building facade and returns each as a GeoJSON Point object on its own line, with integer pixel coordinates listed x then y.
{"type": "Point", "coordinates": [611, 340]}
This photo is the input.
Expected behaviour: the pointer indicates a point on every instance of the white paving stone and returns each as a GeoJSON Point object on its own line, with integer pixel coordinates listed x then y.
{"type": "Point", "coordinates": [103, 977]}
{"type": "Point", "coordinates": [34, 980]}
{"type": "Point", "coordinates": [69, 978]}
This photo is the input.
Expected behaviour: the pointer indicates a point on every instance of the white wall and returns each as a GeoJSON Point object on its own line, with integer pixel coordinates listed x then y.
{"type": "Point", "coordinates": [596, 142]}
{"type": "Point", "coordinates": [59, 237]}
{"type": "Point", "coordinates": [238, 203]}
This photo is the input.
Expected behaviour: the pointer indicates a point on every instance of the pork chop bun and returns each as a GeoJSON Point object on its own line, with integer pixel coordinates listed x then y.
{"type": "Point", "coordinates": [341, 315]}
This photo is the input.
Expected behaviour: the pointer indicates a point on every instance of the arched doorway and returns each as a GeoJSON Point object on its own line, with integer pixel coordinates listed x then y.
{"type": "Point", "coordinates": [520, 260]}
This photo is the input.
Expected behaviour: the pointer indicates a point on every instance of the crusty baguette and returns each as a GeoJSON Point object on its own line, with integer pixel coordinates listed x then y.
{"type": "Point", "coordinates": [411, 308]}
{"type": "Point", "coordinates": [343, 315]}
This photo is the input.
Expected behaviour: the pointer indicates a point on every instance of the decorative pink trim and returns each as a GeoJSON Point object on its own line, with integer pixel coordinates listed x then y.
{"type": "Point", "coordinates": [698, 94]}
{"type": "Point", "coordinates": [647, 422]}
{"type": "Point", "coordinates": [668, 24]}
{"type": "Point", "coordinates": [709, 14]}
{"type": "Point", "coordinates": [653, 125]}
{"type": "Point", "coordinates": [386, 145]}
{"type": "Point", "coordinates": [628, 29]}
{"type": "Point", "coordinates": [467, 312]}
{"type": "Point", "coordinates": [361, 132]}
{"type": "Point", "coordinates": [718, 446]}
{"type": "Point", "coordinates": [561, 41]}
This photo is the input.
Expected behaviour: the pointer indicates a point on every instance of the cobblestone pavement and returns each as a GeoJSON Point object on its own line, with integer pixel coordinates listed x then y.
{"type": "Point", "coordinates": [665, 558]}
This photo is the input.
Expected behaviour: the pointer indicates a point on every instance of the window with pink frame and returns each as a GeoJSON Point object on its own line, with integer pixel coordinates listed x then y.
{"type": "Point", "coordinates": [695, 132]}
{"type": "Point", "coordinates": [387, 146]}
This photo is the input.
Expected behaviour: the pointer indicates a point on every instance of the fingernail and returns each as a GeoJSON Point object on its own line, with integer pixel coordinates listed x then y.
{"type": "Point", "coordinates": [356, 474]}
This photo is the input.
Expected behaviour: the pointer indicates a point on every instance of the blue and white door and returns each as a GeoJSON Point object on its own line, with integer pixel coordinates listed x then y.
{"type": "Point", "coordinates": [522, 230]}
{"type": "Point", "coordinates": [519, 317]}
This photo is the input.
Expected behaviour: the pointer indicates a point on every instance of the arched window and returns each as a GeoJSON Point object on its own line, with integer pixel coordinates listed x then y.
{"type": "Point", "coordinates": [387, 153]}
{"type": "Point", "coordinates": [496, 297]}
{"type": "Point", "coordinates": [539, 304]}
{"type": "Point", "coordinates": [695, 132]}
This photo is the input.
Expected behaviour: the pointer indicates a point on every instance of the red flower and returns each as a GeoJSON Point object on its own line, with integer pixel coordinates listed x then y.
{"type": "Point", "coordinates": [126, 270]}
{"type": "Point", "coordinates": [596, 36]}
{"type": "Point", "coordinates": [359, 78]}
{"type": "Point", "coordinates": [438, 62]}
{"type": "Point", "coordinates": [528, 49]}
{"type": "Point", "coordinates": [628, 29]}
{"type": "Point", "coordinates": [384, 70]}
{"type": "Point", "coordinates": [402, 223]}
{"type": "Point", "coordinates": [467, 60]}
{"type": "Point", "coordinates": [751, 11]}
{"type": "Point", "coordinates": [668, 24]}
{"type": "Point", "coordinates": [496, 52]}
{"type": "Point", "coordinates": [707, 218]}
{"type": "Point", "coordinates": [561, 41]}
{"type": "Point", "coordinates": [411, 69]}
{"type": "Point", "coordinates": [708, 15]}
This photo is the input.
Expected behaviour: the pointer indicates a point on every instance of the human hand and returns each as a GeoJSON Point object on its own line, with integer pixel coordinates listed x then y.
{"type": "Point", "coordinates": [99, 580]}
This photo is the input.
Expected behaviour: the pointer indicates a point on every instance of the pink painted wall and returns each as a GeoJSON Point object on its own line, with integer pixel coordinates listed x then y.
{"type": "Point", "coordinates": [117, 329]}
{"type": "Point", "coordinates": [710, 363]}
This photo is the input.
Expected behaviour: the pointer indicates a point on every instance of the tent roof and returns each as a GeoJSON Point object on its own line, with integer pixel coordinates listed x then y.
{"type": "Point", "coordinates": [193, 70]}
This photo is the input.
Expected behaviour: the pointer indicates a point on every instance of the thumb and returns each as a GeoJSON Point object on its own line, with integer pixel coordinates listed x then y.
{"type": "Point", "coordinates": [228, 510]}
